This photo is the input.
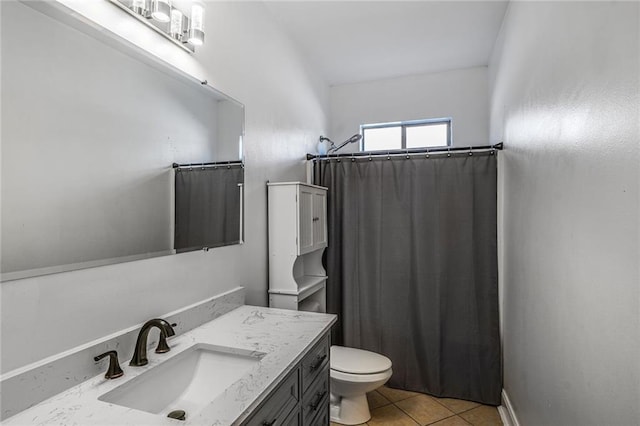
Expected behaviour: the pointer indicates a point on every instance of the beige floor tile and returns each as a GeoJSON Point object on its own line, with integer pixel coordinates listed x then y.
{"type": "Point", "coordinates": [483, 415]}
{"type": "Point", "coordinates": [424, 409]}
{"type": "Point", "coordinates": [395, 395]}
{"type": "Point", "coordinates": [390, 415]}
{"type": "Point", "coordinates": [451, 421]}
{"type": "Point", "coordinates": [376, 400]}
{"type": "Point", "coordinates": [457, 405]}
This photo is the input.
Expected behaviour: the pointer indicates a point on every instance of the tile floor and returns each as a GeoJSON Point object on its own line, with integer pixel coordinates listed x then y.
{"type": "Point", "coordinates": [393, 407]}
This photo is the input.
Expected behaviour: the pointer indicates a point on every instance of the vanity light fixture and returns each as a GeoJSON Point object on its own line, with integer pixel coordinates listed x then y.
{"type": "Point", "coordinates": [176, 29]}
{"type": "Point", "coordinates": [161, 10]}
{"type": "Point", "coordinates": [185, 30]}
{"type": "Point", "coordinates": [196, 29]}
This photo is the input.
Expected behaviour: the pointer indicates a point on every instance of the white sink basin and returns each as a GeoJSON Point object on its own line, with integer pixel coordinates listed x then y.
{"type": "Point", "coordinates": [187, 382]}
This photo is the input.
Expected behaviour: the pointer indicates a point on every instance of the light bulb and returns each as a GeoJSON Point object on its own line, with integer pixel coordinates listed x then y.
{"type": "Point", "coordinates": [196, 31]}
{"type": "Point", "coordinates": [176, 24]}
{"type": "Point", "coordinates": [139, 6]}
{"type": "Point", "coordinates": [161, 10]}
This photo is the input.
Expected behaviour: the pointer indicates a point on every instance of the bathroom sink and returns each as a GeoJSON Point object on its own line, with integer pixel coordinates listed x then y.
{"type": "Point", "coordinates": [187, 382]}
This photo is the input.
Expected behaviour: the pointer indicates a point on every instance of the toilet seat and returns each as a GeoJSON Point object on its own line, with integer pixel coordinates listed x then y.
{"type": "Point", "coordinates": [355, 362]}
{"type": "Point", "coordinates": [360, 378]}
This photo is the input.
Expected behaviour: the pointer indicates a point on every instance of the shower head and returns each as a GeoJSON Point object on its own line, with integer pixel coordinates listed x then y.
{"type": "Point", "coordinates": [334, 148]}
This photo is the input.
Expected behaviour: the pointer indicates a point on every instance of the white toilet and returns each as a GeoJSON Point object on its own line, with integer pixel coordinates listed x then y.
{"type": "Point", "coordinates": [354, 372]}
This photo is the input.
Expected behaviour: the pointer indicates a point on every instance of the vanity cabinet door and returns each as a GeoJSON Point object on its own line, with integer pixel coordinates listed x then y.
{"type": "Point", "coordinates": [276, 409]}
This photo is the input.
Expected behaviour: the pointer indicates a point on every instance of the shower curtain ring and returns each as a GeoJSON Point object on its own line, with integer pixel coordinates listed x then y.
{"type": "Point", "coordinates": [470, 152]}
{"type": "Point", "coordinates": [388, 155]}
{"type": "Point", "coordinates": [370, 157]}
{"type": "Point", "coordinates": [448, 152]}
{"type": "Point", "coordinates": [427, 156]}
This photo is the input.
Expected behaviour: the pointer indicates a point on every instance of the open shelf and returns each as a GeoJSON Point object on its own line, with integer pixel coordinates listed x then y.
{"type": "Point", "coordinates": [307, 285]}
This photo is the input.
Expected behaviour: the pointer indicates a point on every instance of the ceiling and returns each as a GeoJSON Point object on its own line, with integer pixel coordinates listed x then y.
{"type": "Point", "coordinates": [356, 41]}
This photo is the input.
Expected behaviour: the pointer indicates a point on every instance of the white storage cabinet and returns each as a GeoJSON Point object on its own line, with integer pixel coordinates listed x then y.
{"type": "Point", "coordinates": [297, 239]}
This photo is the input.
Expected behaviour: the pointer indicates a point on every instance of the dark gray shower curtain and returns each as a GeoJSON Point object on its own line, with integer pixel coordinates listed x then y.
{"type": "Point", "coordinates": [207, 207]}
{"type": "Point", "coordinates": [412, 266]}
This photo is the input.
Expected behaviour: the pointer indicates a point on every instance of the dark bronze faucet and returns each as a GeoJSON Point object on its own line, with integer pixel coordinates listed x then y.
{"type": "Point", "coordinates": [140, 353]}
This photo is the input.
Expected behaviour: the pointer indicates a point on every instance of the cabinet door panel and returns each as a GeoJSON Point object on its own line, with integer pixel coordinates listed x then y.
{"type": "Point", "coordinates": [319, 219]}
{"type": "Point", "coordinates": [293, 419]}
{"type": "Point", "coordinates": [305, 221]}
{"type": "Point", "coordinates": [314, 363]}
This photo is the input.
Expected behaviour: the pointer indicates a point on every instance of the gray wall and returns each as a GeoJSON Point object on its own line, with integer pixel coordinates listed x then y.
{"type": "Point", "coordinates": [248, 57]}
{"type": "Point", "coordinates": [564, 98]}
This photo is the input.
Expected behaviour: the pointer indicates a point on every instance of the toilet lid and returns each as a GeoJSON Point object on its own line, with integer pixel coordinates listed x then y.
{"type": "Point", "coordinates": [358, 361]}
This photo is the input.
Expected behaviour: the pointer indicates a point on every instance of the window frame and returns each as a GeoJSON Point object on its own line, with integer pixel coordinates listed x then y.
{"type": "Point", "coordinates": [403, 130]}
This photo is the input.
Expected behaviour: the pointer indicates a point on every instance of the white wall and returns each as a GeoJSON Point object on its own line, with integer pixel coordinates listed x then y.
{"type": "Point", "coordinates": [565, 100]}
{"type": "Point", "coordinates": [460, 94]}
{"type": "Point", "coordinates": [247, 57]}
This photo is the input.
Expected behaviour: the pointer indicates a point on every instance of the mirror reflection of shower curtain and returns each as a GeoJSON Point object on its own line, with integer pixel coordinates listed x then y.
{"type": "Point", "coordinates": [412, 267]}
{"type": "Point", "coordinates": [207, 207]}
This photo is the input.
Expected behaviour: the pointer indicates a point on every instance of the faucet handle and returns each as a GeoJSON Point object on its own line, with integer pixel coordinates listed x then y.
{"type": "Point", "coordinates": [162, 342]}
{"type": "Point", "coordinates": [114, 371]}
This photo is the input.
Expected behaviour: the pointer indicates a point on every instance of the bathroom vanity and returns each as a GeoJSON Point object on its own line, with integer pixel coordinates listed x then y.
{"type": "Point", "coordinates": [267, 367]}
{"type": "Point", "coordinates": [302, 398]}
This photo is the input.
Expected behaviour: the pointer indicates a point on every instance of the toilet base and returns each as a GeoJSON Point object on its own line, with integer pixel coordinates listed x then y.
{"type": "Point", "coordinates": [351, 410]}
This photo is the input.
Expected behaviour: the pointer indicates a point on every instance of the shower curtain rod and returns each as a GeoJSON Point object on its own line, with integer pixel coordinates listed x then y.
{"type": "Point", "coordinates": [210, 164]}
{"type": "Point", "coordinates": [410, 151]}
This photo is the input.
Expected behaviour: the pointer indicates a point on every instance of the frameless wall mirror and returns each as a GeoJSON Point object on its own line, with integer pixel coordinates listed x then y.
{"type": "Point", "coordinates": [91, 130]}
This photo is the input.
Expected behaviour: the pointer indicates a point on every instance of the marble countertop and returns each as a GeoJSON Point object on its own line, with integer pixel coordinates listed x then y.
{"type": "Point", "coordinates": [283, 335]}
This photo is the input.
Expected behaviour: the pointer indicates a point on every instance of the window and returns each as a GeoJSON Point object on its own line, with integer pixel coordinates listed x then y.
{"type": "Point", "coordinates": [406, 134]}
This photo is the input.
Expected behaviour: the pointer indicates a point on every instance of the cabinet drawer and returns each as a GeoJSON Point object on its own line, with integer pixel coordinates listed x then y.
{"type": "Point", "coordinates": [316, 399]}
{"type": "Point", "coordinates": [322, 419]}
{"type": "Point", "coordinates": [274, 411]}
{"type": "Point", "coordinates": [314, 363]}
